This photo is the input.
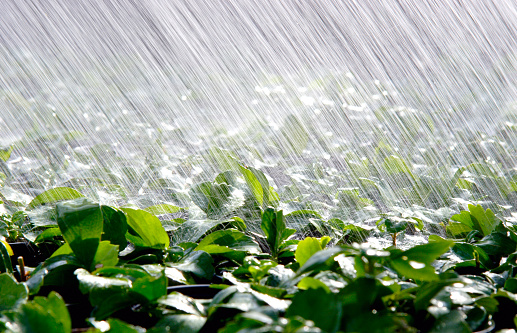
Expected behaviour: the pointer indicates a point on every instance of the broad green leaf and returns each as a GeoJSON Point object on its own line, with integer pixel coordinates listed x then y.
{"type": "Point", "coordinates": [109, 285]}
{"type": "Point", "coordinates": [363, 295]}
{"type": "Point", "coordinates": [224, 159]}
{"type": "Point", "coordinates": [485, 221]}
{"type": "Point", "coordinates": [44, 315]}
{"type": "Point", "coordinates": [81, 224]}
{"type": "Point", "coordinates": [13, 294]}
{"type": "Point", "coordinates": [415, 263]}
{"type": "Point", "coordinates": [145, 229]}
{"type": "Point", "coordinates": [323, 308]}
{"type": "Point", "coordinates": [231, 238]}
{"type": "Point", "coordinates": [115, 226]}
{"type": "Point", "coordinates": [428, 291]}
{"type": "Point", "coordinates": [106, 255]}
{"type": "Point", "coordinates": [151, 286]}
{"type": "Point", "coordinates": [274, 228]}
{"type": "Point", "coordinates": [309, 246]}
{"type": "Point", "coordinates": [497, 244]}
{"type": "Point", "coordinates": [258, 185]}
{"type": "Point", "coordinates": [379, 323]}
{"type": "Point", "coordinates": [54, 195]}
{"type": "Point", "coordinates": [198, 263]}
{"type": "Point", "coordinates": [114, 288]}
{"type": "Point", "coordinates": [477, 219]}
{"type": "Point", "coordinates": [393, 226]}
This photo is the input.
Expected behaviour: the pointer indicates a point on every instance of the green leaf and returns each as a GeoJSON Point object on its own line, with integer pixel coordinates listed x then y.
{"type": "Point", "coordinates": [363, 295]}
{"type": "Point", "coordinates": [115, 226]}
{"type": "Point", "coordinates": [5, 259]}
{"type": "Point", "coordinates": [258, 185]}
{"type": "Point", "coordinates": [323, 308]}
{"type": "Point", "coordinates": [478, 219]}
{"type": "Point", "coordinates": [511, 285]}
{"type": "Point", "coordinates": [57, 271]}
{"type": "Point", "coordinates": [212, 198]}
{"type": "Point", "coordinates": [497, 244]}
{"type": "Point", "coordinates": [230, 238]}
{"type": "Point", "coordinates": [145, 229]}
{"type": "Point", "coordinates": [13, 293]}
{"type": "Point", "coordinates": [307, 247]}
{"type": "Point", "coordinates": [428, 291]}
{"type": "Point", "coordinates": [312, 283]}
{"type": "Point", "coordinates": [48, 234]}
{"type": "Point", "coordinates": [44, 315]}
{"type": "Point", "coordinates": [275, 229]}
{"type": "Point", "coordinates": [106, 255]}
{"type": "Point", "coordinates": [5, 153]}
{"type": "Point", "coordinates": [121, 287]}
{"type": "Point", "coordinates": [198, 263]}
{"type": "Point", "coordinates": [81, 224]}
{"type": "Point", "coordinates": [319, 260]}
{"type": "Point", "coordinates": [163, 209]}
{"type": "Point", "coordinates": [54, 195]}
{"type": "Point", "coordinates": [393, 226]}
{"type": "Point", "coordinates": [415, 263]}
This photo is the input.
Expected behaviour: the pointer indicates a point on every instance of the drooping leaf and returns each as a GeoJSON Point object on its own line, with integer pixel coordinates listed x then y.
{"type": "Point", "coordinates": [115, 226]}
{"type": "Point", "coordinates": [81, 224]}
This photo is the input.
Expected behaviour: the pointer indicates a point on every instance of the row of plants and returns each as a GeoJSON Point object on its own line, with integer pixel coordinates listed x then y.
{"type": "Point", "coordinates": [119, 269]}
